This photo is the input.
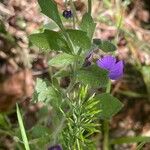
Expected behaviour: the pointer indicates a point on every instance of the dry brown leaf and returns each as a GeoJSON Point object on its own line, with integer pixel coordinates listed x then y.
{"type": "Point", "coordinates": [16, 87]}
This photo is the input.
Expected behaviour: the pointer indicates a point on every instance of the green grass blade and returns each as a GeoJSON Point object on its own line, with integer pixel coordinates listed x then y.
{"type": "Point", "coordinates": [139, 147]}
{"type": "Point", "coordinates": [135, 139]}
{"type": "Point", "coordinates": [23, 133]}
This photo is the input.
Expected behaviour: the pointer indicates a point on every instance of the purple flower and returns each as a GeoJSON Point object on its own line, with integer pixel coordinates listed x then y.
{"type": "Point", "coordinates": [67, 14]}
{"type": "Point", "coordinates": [114, 67]}
{"type": "Point", "coordinates": [56, 147]}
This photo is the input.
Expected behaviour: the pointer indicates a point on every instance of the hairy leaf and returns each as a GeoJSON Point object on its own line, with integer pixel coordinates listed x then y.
{"type": "Point", "coordinates": [49, 8]}
{"type": "Point", "coordinates": [79, 39]}
{"type": "Point", "coordinates": [62, 59]}
{"type": "Point", "coordinates": [93, 76]}
{"type": "Point", "coordinates": [109, 105]}
{"type": "Point", "coordinates": [88, 25]}
{"type": "Point", "coordinates": [49, 40]}
{"type": "Point", "coordinates": [105, 46]}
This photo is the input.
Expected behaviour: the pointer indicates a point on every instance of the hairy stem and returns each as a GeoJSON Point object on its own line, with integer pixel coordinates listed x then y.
{"type": "Point", "coordinates": [75, 17]}
{"type": "Point", "coordinates": [89, 6]}
{"type": "Point", "coordinates": [106, 135]}
{"type": "Point", "coordinates": [106, 124]}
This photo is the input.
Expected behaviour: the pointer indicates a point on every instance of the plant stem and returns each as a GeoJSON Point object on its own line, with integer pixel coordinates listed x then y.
{"type": "Point", "coordinates": [58, 130]}
{"type": "Point", "coordinates": [108, 88]}
{"type": "Point", "coordinates": [74, 13]}
{"type": "Point", "coordinates": [74, 22]}
{"type": "Point", "coordinates": [70, 44]}
{"type": "Point", "coordinates": [89, 6]}
{"type": "Point", "coordinates": [130, 139]}
{"type": "Point", "coordinates": [78, 145]}
{"type": "Point", "coordinates": [66, 35]}
{"type": "Point", "coordinates": [106, 135]}
{"type": "Point", "coordinates": [106, 124]}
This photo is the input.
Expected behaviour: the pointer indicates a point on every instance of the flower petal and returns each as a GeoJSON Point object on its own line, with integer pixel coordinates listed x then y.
{"type": "Point", "coordinates": [116, 71]}
{"type": "Point", "coordinates": [107, 62]}
{"type": "Point", "coordinates": [56, 147]}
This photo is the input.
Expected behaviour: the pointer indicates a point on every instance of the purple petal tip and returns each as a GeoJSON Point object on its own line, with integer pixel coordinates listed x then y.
{"type": "Point", "coordinates": [56, 147]}
{"type": "Point", "coordinates": [115, 68]}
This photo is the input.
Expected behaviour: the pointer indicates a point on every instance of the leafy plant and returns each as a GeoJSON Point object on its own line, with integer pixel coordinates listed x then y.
{"type": "Point", "coordinates": [77, 108]}
{"type": "Point", "coordinates": [81, 121]}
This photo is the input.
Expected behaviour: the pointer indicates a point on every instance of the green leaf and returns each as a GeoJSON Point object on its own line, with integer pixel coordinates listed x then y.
{"type": "Point", "coordinates": [62, 59]}
{"type": "Point", "coordinates": [79, 39]}
{"type": "Point", "coordinates": [62, 73]}
{"type": "Point", "coordinates": [3, 121]}
{"type": "Point", "coordinates": [49, 40]}
{"type": "Point", "coordinates": [105, 46]}
{"type": "Point", "coordinates": [131, 94]}
{"type": "Point", "coordinates": [49, 8]}
{"type": "Point", "coordinates": [88, 25]}
{"type": "Point", "coordinates": [93, 76]}
{"type": "Point", "coordinates": [40, 85]}
{"type": "Point", "coordinates": [109, 105]}
{"type": "Point", "coordinates": [45, 93]}
{"type": "Point", "coordinates": [42, 113]}
{"type": "Point", "coordinates": [2, 28]}
{"type": "Point", "coordinates": [50, 26]}
{"type": "Point", "coordinates": [146, 76]}
{"type": "Point", "coordinates": [97, 41]}
{"type": "Point", "coordinates": [22, 129]}
{"type": "Point", "coordinates": [130, 139]}
{"type": "Point", "coordinates": [39, 130]}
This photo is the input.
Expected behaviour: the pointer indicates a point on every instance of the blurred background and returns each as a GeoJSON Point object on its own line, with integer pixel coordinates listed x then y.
{"type": "Point", "coordinates": [126, 22]}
